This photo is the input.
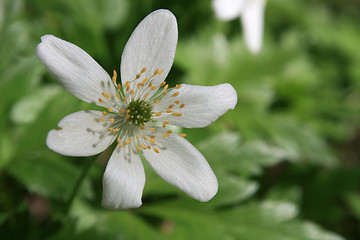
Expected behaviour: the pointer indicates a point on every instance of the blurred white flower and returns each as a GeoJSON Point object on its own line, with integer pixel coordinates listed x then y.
{"type": "Point", "coordinates": [251, 13]}
{"type": "Point", "coordinates": [139, 113]}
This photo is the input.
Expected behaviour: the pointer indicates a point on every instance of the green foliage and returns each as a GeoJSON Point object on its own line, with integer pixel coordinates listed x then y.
{"type": "Point", "coordinates": [287, 158]}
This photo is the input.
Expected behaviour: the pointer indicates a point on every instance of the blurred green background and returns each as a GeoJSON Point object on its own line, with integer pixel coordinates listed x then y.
{"type": "Point", "coordinates": [287, 158]}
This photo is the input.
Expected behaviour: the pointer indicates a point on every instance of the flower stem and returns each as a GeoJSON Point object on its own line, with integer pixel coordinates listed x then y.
{"type": "Point", "coordinates": [77, 185]}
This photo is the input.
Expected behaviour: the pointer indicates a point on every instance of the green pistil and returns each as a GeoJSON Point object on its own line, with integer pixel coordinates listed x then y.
{"type": "Point", "coordinates": [139, 112]}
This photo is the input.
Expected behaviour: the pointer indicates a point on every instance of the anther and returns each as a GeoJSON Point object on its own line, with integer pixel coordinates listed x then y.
{"type": "Point", "coordinates": [156, 72]}
{"type": "Point", "coordinates": [178, 86]}
{"type": "Point", "coordinates": [121, 111]}
{"type": "Point", "coordinates": [162, 84]}
{"type": "Point", "coordinates": [109, 109]}
{"type": "Point", "coordinates": [182, 105]}
{"type": "Point", "coordinates": [118, 96]}
{"type": "Point", "coordinates": [177, 102]}
{"type": "Point", "coordinates": [166, 87]}
{"type": "Point", "coordinates": [143, 70]}
{"type": "Point", "coordinates": [165, 135]}
{"type": "Point", "coordinates": [145, 80]}
{"type": "Point", "coordinates": [156, 150]}
{"type": "Point", "coordinates": [142, 127]}
{"type": "Point", "coordinates": [146, 95]}
{"type": "Point", "coordinates": [158, 114]}
{"type": "Point", "coordinates": [177, 114]}
{"type": "Point", "coordinates": [152, 140]}
{"type": "Point", "coordinates": [138, 76]}
{"type": "Point", "coordinates": [104, 113]}
{"type": "Point", "coordinates": [171, 106]}
{"type": "Point", "coordinates": [152, 136]}
{"type": "Point", "coordinates": [142, 146]}
{"type": "Point", "coordinates": [157, 101]}
{"type": "Point", "coordinates": [100, 100]}
{"type": "Point", "coordinates": [175, 94]}
{"type": "Point", "coordinates": [138, 148]}
{"type": "Point", "coordinates": [152, 129]}
{"type": "Point", "coordinates": [118, 140]}
{"type": "Point", "coordinates": [127, 116]}
{"type": "Point", "coordinates": [127, 88]}
{"type": "Point", "coordinates": [153, 87]}
{"type": "Point", "coordinates": [161, 71]}
{"type": "Point", "coordinates": [148, 146]}
{"type": "Point", "coordinates": [169, 111]}
{"type": "Point", "coordinates": [101, 119]}
{"type": "Point", "coordinates": [182, 134]}
{"type": "Point", "coordinates": [132, 92]}
{"type": "Point", "coordinates": [127, 142]}
{"type": "Point", "coordinates": [119, 86]}
{"type": "Point", "coordinates": [164, 93]}
{"type": "Point", "coordinates": [127, 83]}
{"type": "Point", "coordinates": [169, 131]}
{"type": "Point", "coordinates": [111, 119]}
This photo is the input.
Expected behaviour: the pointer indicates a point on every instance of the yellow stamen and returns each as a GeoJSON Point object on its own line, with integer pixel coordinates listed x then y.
{"type": "Point", "coordinates": [109, 109]}
{"type": "Point", "coordinates": [121, 111]}
{"type": "Point", "coordinates": [144, 137]}
{"type": "Point", "coordinates": [118, 140]}
{"type": "Point", "coordinates": [118, 96]}
{"type": "Point", "coordinates": [142, 127]}
{"type": "Point", "coordinates": [162, 84]}
{"type": "Point", "coordinates": [152, 140]}
{"type": "Point", "coordinates": [127, 88]}
{"type": "Point", "coordinates": [143, 70]}
{"type": "Point", "coordinates": [152, 129]}
{"type": "Point", "coordinates": [142, 146]}
{"type": "Point", "coordinates": [146, 95]}
{"type": "Point", "coordinates": [177, 114]}
{"type": "Point", "coordinates": [104, 113]}
{"type": "Point", "coordinates": [156, 150]}
{"type": "Point", "coordinates": [153, 87]}
{"type": "Point", "coordinates": [169, 131]}
{"type": "Point", "coordinates": [127, 142]}
{"type": "Point", "coordinates": [178, 86]}
{"type": "Point", "coordinates": [165, 135]}
{"type": "Point", "coordinates": [100, 100]}
{"type": "Point", "coordinates": [145, 80]}
{"type": "Point", "coordinates": [177, 102]}
{"type": "Point", "coordinates": [127, 116]}
{"type": "Point", "coordinates": [164, 93]}
{"type": "Point", "coordinates": [161, 71]}
{"type": "Point", "coordinates": [138, 148]}
{"type": "Point", "coordinates": [138, 76]}
{"type": "Point", "coordinates": [127, 83]}
{"type": "Point", "coordinates": [175, 94]}
{"type": "Point", "coordinates": [156, 72]}
{"type": "Point", "coordinates": [169, 111]}
{"type": "Point", "coordinates": [171, 106]}
{"type": "Point", "coordinates": [182, 105]}
{"type": "Point", "coordinates": [111, 119]}
{"type": "Point", "coordinates": [148, 146]}
{"type": "Point", "coordinates": [182, 134]}
{"type": "Point", "coordinates": [158, 114]}
{"type": "Point", "coordinates": [152, 136]}
{"type": "Point", "coordinates": [157, 101]}
{"type": "Point", "coordinates": [166, 87]}
{"type": "Point", "coordinates": [132, 92]}
{"type": "Point", "coordinates": [101, 119]}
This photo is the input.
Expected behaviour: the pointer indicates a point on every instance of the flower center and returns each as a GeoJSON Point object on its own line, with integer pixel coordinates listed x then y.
{"type": "Point", "coordinates": [139, 112]}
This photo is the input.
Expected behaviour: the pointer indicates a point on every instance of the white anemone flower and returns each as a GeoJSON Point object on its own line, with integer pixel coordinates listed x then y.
{"type": "Point", "coordinates": [251, 13]}
{"type": "Point", "coordinates": [138, 114]}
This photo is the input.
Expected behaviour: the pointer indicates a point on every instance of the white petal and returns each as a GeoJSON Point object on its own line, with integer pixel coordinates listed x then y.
{"type": "Point", "coordinates": [79, 73]}
{"type": "Point", "coordinates": [203, 104]}
{"type": "Point", "coordinates": [252, 20]}
{"type": "Point", "coordinates": [151, 45]}
{"type": "Point", "coordinates": [123, 180]}
{"type": "Point", "coordinates": [183, 166]}
{"type": "Point", "coordinates": [227, 9]}
{"type": "Point", "coordinates": [80, 134]}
